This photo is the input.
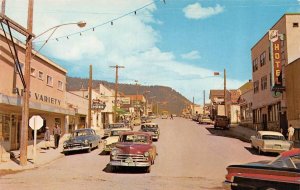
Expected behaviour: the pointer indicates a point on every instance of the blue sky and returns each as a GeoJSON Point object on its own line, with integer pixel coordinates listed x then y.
{"type": "Point", "coordinates": [178, 44]}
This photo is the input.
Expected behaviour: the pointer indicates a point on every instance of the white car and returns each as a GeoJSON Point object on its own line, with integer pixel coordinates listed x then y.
{"type": "Point", "coordinates": [113, 138]}
{"type": "Point", "coordinates": [270, 141]}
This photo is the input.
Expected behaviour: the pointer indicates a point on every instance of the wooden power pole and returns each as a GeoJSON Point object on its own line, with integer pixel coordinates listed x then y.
{"type": "Point", "coordinates": [116, 91]}
{"type": "Point", "coordinates": [203, 102]}
{"type": "Point", "coordinates": [90, 97]}
{"type": "Point", "coordinates": [25, 109]}
{"type": "Point", "coordinates": [225, 109]}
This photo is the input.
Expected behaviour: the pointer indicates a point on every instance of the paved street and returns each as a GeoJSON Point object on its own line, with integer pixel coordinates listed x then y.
{"type": "Point", "coordinates": [189, 157]}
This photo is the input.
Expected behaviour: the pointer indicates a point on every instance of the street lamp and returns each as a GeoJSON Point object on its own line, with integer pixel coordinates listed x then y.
{"type": "Point", "coordinates": [217, 74]}
{"type": "Point", "coordinates": [26, 96]}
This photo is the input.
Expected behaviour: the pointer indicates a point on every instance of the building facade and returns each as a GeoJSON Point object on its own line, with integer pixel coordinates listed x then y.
{"type": "Point", "coordinates": [269, 106]}
{"type": "Point", "coordinates": [245, 102]}
{"type": "Point", "coordinates": [47, 94]}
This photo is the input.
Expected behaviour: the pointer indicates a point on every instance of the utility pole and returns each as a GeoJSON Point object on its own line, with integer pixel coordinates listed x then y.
{"type": "Point", "coordinates": [3, 7]}
{"type": "Point", "coordinates": [90, 97]}
{"type": "Point", "coordinates": [116, 91]}
{"type": "Point", "coordinates": [136, 96]}
{"type": "Point", "coordinates": [203, 102]}
{"type": "Point", "coordinates": [25, 108]}
{"type": "Point", "coordinates": [225, 109]}
{"type": "Point", "coordinates": [193, 106]}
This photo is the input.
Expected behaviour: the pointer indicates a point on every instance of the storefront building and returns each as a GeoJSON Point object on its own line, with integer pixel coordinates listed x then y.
{"type": "Point", "coordinates": [269, 60]}
{"type": "Point", "coordinates": [47, 94]}
{"type": "Point", "coordinates": [245, 102]}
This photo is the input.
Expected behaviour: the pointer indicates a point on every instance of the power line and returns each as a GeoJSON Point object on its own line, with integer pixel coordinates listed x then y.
{"type": "Point", "coordinates": [111, 22]}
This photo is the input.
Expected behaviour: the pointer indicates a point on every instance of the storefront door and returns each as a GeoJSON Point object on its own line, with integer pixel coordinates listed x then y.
{"type": "Point", "coordinates": [15, 125]}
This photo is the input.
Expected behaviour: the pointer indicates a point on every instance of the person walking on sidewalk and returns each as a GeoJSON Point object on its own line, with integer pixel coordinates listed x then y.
{"type": "Point", "coordinates": [56, 133]}
{"type": "Point", "coordinates": [47, 138]}
{"type": "Point", "coordinates": [291, 131]}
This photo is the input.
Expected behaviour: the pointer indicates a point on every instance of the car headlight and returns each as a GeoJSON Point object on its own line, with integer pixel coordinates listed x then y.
{"type": "Point", "coordinates": [146, 154]}
{"type": "Point", "coordinates": [65, 144]}
{"type": "Point", "coordinates": [114, 152]}
{"type": "Point", "coordinates": [104, 142]}
{"type": "Point", "coordinates": [86, 142]}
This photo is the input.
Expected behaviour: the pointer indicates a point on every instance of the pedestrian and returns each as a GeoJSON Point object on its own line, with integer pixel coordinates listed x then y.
{"type": "Point", "coordinates": [171, 116]}
{"type": "Point", "coordinates": [291, 131]}
{"type": "Point", "coordinates": [56, 133]}
{"type": "Point", "coordinates": [47, 138]}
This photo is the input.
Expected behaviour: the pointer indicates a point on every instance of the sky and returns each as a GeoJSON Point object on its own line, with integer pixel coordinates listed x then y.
{"type": "Point", "coordinates": [175, 43]}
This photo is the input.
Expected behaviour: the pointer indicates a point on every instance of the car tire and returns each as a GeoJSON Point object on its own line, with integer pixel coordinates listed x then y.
{"type": "Point", "coordinates": [89, 150]}
{"type": "Point", "coordinates": [148, 169]}
{"type": "Point", "coordinates": [112, 169]}
{"type": "Point", "coordinates": [259, 151]}
{"type": "Point", "coordinates": [66, 153]}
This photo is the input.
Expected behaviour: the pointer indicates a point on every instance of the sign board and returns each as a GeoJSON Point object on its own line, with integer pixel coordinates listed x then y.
{"type": "Point", "coordinates": [36, 122]}
{"type": "Point", "coordinates": [273, 35]}
{"type": "Point", "coordinates": [125, 100]}
{"type": "Point", "coordinates": [98, 105]}
{"type": "Point", "coordinates": [276, 62]}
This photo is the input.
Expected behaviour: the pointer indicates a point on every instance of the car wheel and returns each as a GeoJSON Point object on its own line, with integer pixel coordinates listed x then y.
{"type": "Point", "coordinates": [66, 153]}
{"type": "Point", "coordinates": [89, 150]}
{"type": "Point", "coordinates": [112, 169]}
{"type": "Point", "coordinates": [259, 151]}
{"type": "Point", "coordinates": [148, 169]}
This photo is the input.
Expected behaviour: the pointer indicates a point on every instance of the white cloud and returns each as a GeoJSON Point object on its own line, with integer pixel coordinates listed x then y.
{"type": "Point", "coordinates": [196, 11]}
{"type": "Point", "coordinates": [131, 41]}
{"type": "Point", "coordinates": [191, 55]}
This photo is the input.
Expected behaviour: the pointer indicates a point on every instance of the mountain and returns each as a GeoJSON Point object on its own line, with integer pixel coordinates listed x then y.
{"type": "Point", "coordinates": [168, 98]}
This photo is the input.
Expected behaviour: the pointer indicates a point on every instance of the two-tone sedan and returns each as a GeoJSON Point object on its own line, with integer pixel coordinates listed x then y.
{"type": "Point", "coordinates": [110, 142]}
{"type": "Point", "coordinates": [113, 126]}
{"type": "Point", "coordinates": [151, 128]}
{"type": "Point", "coordinates": [81, 139]}
{"type": "Point", "coordinates": [134, 149]}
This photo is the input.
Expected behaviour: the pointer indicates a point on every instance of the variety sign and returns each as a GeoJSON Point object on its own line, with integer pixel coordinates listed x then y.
{"type": "Point", "coordinates": [98, 105]}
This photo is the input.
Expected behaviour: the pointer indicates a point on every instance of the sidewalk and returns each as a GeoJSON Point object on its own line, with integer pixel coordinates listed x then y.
{"type": "Point", "coordinates": [43, 157]}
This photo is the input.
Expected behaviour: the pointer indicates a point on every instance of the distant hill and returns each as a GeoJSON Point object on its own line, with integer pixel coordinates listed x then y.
{"type": "Point", "coordinates": [170, 99]}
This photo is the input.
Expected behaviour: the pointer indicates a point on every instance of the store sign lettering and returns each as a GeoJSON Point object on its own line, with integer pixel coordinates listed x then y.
{"type": "Point", "coordinates": [48, 99]}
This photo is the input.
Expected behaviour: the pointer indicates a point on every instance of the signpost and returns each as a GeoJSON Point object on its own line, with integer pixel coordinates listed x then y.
{"type": "Point", "coordinates": [35, 123]}
{"type": "Point", "coordinates": [98, 105]}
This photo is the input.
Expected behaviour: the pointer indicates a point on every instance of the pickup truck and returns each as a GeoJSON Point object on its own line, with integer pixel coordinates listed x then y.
{"type": "Point", "coordinates": [222, 121]}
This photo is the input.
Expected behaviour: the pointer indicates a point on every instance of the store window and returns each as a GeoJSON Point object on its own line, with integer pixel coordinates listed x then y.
{"type": "Point", "coordinates": [32, 72]}
{"type": "Point", "coordinates": [49, 80]}
{"type": "Point", "coordinates": [263, 59]}
{"type": "Point", "coordinates": [255, 65]}
{"type": "Point", "coordinates": [264, 82]}
{"type": "Point", "coordinates": [4, 127]}
{"type": "Point", "coordinates": [60, 85]}
{"type": "Point", "coordinates": [41, 75]}
{"type": "Point", "coordinates": [256, 87]}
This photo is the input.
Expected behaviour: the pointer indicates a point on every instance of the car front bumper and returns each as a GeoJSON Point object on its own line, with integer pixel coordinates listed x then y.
{"type": "Point", "coordinates": [273, 150]}
{"type": "Point", "coordinates": [68, 149]}
{"type": "Point", "coordinates": [129, 164]}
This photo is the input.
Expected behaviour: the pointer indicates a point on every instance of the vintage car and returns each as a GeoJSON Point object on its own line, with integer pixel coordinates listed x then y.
{"type": "Point", "coordinates": [81, 139]}
{"type": "Point", "coordinates": [152, 128]}
{"type": "Point", "coordinates": [205, 119]}
{"type": "Point", "coordinates": [222, 121]}
{"type": "Point", "coordinates": [113, 126]}
{"type": "Point", "coordinates": [110, 142]}
{"type": "Point", "coordinates": [164, 116]}
{"type": "Point", "coordinates": [281, 174]}
{"type": "Point", "coordinates": [134, 149]}
{"type": "Point", "coordinates": [270, 141]}
{"type": "Point", "coordinates": [145, 119]}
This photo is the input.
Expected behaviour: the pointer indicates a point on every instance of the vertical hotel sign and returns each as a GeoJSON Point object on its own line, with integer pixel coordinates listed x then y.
{"type": "Point", "coordinates": [276, 61]}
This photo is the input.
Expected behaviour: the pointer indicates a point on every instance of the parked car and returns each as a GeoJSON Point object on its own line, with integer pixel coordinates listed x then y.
{"type": "Point", "coordinates": [152, 128]}
{"type": "Point", "coordinates": [113, 126]}
{"type": "Point", "coordinates": [134, 149]}
{"type": "Point", "coordinates": [145, 119]}
{"type": "Point", "coordinates": [205, 119]}
{"type": "Point", "coordinates": [281, 174]}
{"type": "Point", "coordinates": [110, 142]}
{"type": "Point", "coordinates": [81, 139]}
{"type": "Point", "coordinates": [222, 121]}
{"type": "Point", "coordinates": [164, 116]}
{"type": "Point", "coordinates": [270, 141]}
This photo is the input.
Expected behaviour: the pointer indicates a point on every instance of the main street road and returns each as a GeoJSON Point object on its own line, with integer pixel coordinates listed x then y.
{"type": "Point", "coordinates": [189, 157]}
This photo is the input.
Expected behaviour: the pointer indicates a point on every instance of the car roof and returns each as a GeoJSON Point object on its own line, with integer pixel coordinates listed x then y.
{"type": "Point", "coordinates": [270, 133]}
{"type": "Point", "coordinates": [290, 153]}
{"type": "Point", "coordinates": [149, 124]}
{"type": "Point", "coordinates": [136, 133]}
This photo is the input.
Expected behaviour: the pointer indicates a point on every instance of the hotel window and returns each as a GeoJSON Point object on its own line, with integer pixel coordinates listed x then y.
{"type": "Point", "coordinates": [60, 85]}
{"type": "Point", "coordinates": [49, 80]}
{"type": "Point", "coordinates": [256, 87]}
{"type": "Point", "coordinates": [263, 59]}
{"type": "Point", "coordinates": [32, 72]}
{"type": "Point", "coordinates": [295, 24]}
{"type": "Point", "coordinates": [264, 82]}
{"type": "Point", "coordinates": [255, 65]}
{"type": "Point", "coordinates": [41, 75]}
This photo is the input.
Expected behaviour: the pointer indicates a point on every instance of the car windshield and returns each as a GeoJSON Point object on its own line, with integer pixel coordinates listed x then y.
{"type": "Point", "coordinates": [273, 137]}
{"type": "Point", "coordinates": [149, 126]}
{"type": "Point", "coordinates": [296, 161]}
{"type": "Point", "coordinates": [116, 133]}
{"type": "Point", "coordinates": [134, 138]}
{"type": "Point", "coordinates": [116, 125]}
{"type": "Point", "coordinates": [81, 133]}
